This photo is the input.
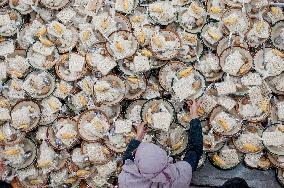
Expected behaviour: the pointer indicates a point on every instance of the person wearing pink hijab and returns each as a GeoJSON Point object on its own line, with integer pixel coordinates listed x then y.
{"type": "Point", "coordinates": [148, 166]}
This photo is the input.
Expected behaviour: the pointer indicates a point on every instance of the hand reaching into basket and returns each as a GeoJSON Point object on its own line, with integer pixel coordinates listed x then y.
{"type": "Point", "coordinates": [133, 145]}
{"type": "Point", "coordinates": [141, 131]}
{"type": "Point", "coordinates": [2, 168]}
{"type": "Point", "coordinates": [193, 106]}
{"type": "Point", "coordinates": [194, 148]}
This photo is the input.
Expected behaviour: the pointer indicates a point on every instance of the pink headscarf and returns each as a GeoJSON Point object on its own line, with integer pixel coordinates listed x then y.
{"type": "Point", "coordinates": [152, 168]}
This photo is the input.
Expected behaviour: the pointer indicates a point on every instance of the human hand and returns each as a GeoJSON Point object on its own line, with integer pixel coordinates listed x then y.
{"type": "Point", "coordinates": [141, 131]}
{"type": "Point", "coordinates": [2, 167]}
{"type": "Point", "coordinates": [193, 108]}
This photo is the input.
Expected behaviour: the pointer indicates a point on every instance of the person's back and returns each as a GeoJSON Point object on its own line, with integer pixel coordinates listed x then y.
{"type": "Point", "coordinates": [150, 167]}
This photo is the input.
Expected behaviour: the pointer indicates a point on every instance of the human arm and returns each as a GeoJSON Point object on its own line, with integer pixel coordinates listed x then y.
{"type": "Point", "coordinates": [3, 184]}
{"type": "Point", "coordinates": [134, 143]}
{"type": "Point", "coordinates": [2, 168]}
{"type": "Point", "coordinates": [194, 147]}
{"type": "Point", "coordinates": [129, 152]}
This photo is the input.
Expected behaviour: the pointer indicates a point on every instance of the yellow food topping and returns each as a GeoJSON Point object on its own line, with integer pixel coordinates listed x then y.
{"type": "Point", "coordinates": [2, 136]}
{"type": "Point", "coordinates": [146, 53]}
{"type": "Point", "coordinates": [157, 9]}
{"type": "Point", "coordinates": [16, 73]}
{"type": "Point", "coordinates": [155, 87]}
{"type": "Point", "coordinates": [155, 107]}
{"type": "Point", "coordinates": [119, 47]}
{"type": "Point", "coordinates": [148, 118]}
{"type": "Point", "coordinates": [250, 147]}
{"type": "Point", "coordinates": [63, 88]}
{"type": "Point", "coordinates": [35, 181]}
{"type": "Point", "coordinates": [68, 136]}
{"type": "Point", "coordinates": [141, 37]}
{"type": "Point", "coordinates": [86, 35]}
{"type": "Point", "coordinates": [223, 123]}
{"type": "Point", "coordinates": [70, 180]}
{"type": "Point", "coordinates": [2, 39]}
{"type": "Point", "coordinates": [83, 100]}
{"type": "Point", "coordinates": [125, 5]}
{"type": "Point", "coordinates": [57, 28]}
{"type": "Point", "coordinates": [45, 42]}
{"type": "Point", "coordinates": [105, 151]}
{"type": "Point", "coordinates": [264, 105]}
{"type": "Point", "coordinates": [218, 160]}
{"type": "Point", "coordinates": [98, 126]}
{"type": "Point", "coordinates": [157, 41]}
{"type": "Point", "coordinates": [213, 35]}
{"type": "Point", "coordinates": [260, 26]}
{"type": "Point", "coordinates": [44, 163]}
{"type": "Point", "coordinates": [190, 38]}
{"type": "Point", "coordinates": [41, 32]}
{"type": "Point", "coordinates": [244, 68]}
{"type": "Point", "coordinates": [105, 24]}
{"type": "Point", "coordinates": [200, 110]}
{"type": "Point", "coordinates": [195, 8]}
{"type": "Point", "coordinates": [64, 57]}
{"type": "Point", "coordinates": [4, 103]}
{"type": "Point", "coordinates": [88, 57]}
{"type": "Point", "coordinates": [264, 163]}
{"type": "Point", "coordinates": [185, 118]}
{"type": "Point", "coordinates": [207, 143]}
{"type": "Point", "coordinates": [133, 79]}
{"type": "Point", "coordinates": [215, 10]}
{"type": "Point", "coordinates": [101, 89]}
{"type": "Point", "coordinates": [230, 21]}
{"type": "Point", "coordinates": [15, 85]}
{"type": "Point", "coordinates": [54, 105]}
{"type": "Point", "coordinates": [281, 128]}
{"type": "Point", "coordinates": [23, 126]}
{"type": "Point", "coordinates": [11, 152]}
{"type": "Point", "coordinates": [137, 19]}
{"type": "Point", "coordinates": [80, 173]}
{"type": "Point", "coordinates": [275, 11]}
{"type": "Point", "coordinates": [277, 53]}
{"type": "Point", "coordinates": [86, 86]}
{"type": "Point", "coordinates": [185, 72]}
{"type": "Point", "coordinates": [178, 144]}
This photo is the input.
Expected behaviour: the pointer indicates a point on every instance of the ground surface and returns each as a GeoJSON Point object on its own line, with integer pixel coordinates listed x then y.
{"type": "Point", "coordinates": [209, 176]}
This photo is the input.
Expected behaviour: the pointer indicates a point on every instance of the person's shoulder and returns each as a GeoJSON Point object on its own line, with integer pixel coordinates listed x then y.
{"type": "Point", "coordinates": [184, 166]}
{"type": "Point", "coordinates": [183, 174]}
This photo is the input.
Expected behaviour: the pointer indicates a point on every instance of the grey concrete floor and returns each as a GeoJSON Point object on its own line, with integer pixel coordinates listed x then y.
{"type": "Point", "coordinates": [209, 176]}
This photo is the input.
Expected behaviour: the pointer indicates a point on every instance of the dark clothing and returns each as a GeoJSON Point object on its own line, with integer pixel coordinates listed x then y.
{"type": "Point", "coordinates": [193, 151]}
{"type": "Point", "coordinates": [194, 147]}
{"type": "Point", "coordinates": [129, 153]}
{"type": "Point", "coordinates": [235, 183]}
{"type": "Point", "coordinates": [5, 185]}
